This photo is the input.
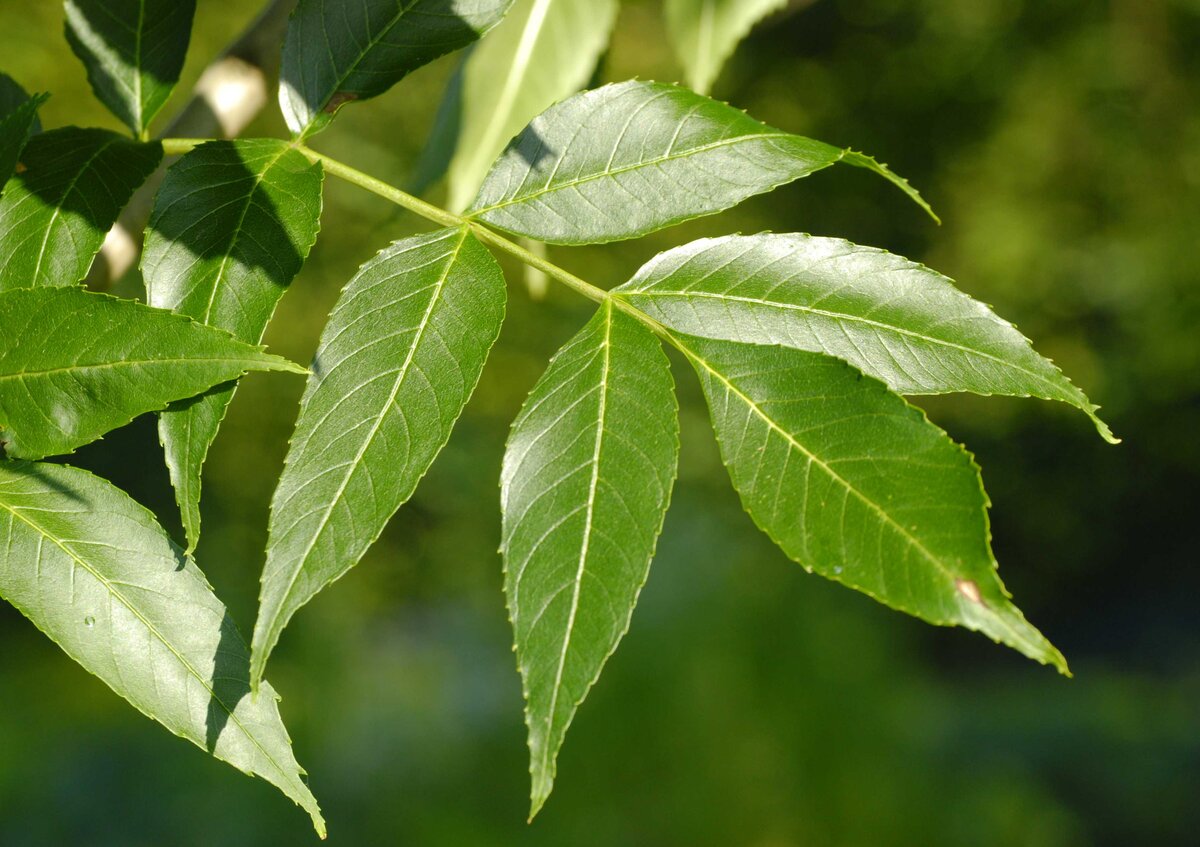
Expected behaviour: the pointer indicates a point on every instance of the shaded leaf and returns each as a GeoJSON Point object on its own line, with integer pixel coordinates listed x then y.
{"type": "Point", "coordinates": [704, 33]}
{"type": "Point", "coordinates": [16, 126]}
{"type": "Point", "coordinates": [96, 573]}
{"type": "Point", "coordinates": [12, 95]}
{"type": "Point", "coordinates": [336, 51]}
{"type": "Point", "coordinates": [398, 360]}
{"type": "Point", "coordinates": [133, 51]}
{"type": "Point", "coordinates": [55, 213]}
{"type": "Point", "coordinates": [76, 364]}
{"type": "Point", "coordinates": [891, 318]}
{"type": "Point", "coordinates": [232, 225]}
{"type": "Point", "coordinates": [857, 485]}
{"type": "Point", "coordinates": [586, 480]}
{"type": "Point", "coordinates": [626, 159]}
{"type": "Point", "coordinates": [541, 52]}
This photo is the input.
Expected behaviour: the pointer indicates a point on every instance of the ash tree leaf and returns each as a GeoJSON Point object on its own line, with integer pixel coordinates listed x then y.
{"type": "Point", "coordinates": [96, 573]}
{"type": "Point", "coordinates": [541, 52]}
{"type": "Point", "coordinates": [16, 127]}
{"type": "Point", "coordinates": [396, 364]}
{"type": "Point", "coordinates": [76, 364]}
{"type": "Point", "coordinates": [232, 225]}
{"type": "Point", "coordinates": [704, 33]}
{"type": "Point", "coordinates": [855, 484]}
{"type": "Point", "coordinates": [893, 319]}
{"type": "Point", "coordinates": [336, 51]}
{"type": "Point", "coordinates": [133, 51]}
{"type": "Point", "coordinates": [629, 158]}
{"type": "Point", "coordinates": [586, 480]}
{"type": "Point", "coordinates": [12, 96]}
{"type": "Point", "coordinates": [55, 213]}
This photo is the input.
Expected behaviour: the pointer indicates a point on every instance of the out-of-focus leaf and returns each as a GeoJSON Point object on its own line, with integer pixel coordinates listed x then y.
{"type": "Point", "coordinates": [891, 318]}
{"type": "Point", "coordinates": [133, 51]}
{"type": "Point", "coordinates": [96, 573]}
{"type": "Point", "coordinates": [543, 51]}
{"type": "Point", "coordinates": [13, 95]}
{"type": "Point", "coordinates": [336, 51]}
{"type": "Point", "coordinates": [75, 364]}
{"type": "Point", "coordinates": [55, 213]}
{"type": "Point", "coordinates": [398, 360]}
{"type": "Point", "coordinates": [232, 224]}
{"type": "Point", "coordinates": [16, 126]}
{"type": "Point", "coordinates": [586, 480]}
{"type": "Point", "coordinates": [857, 485]}
{"type": "Point", "coordinates": [704, 33]}
{"type": "Point", "coordinates": [629, 158]}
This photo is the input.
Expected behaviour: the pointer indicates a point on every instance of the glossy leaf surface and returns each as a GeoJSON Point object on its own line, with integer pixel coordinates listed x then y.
{"type": "Point", "coordinates": [543, 51]}
{"type": "Point", "coordinates": [55, 213]}
{"type": "Point", "coordinates": [232, 224]}
{"type": "Point", "coordinates": [891, 318]}
{"type": "Point", "coordinates": [629, 158]}
{"type": "Point", "coordinates": [96, 573]}
{"type": "Point", "coordinates": [133, 51]}
{"type": "Point", "coordinates": [398, 360]}
{"type": "Point", "coordinates": [857, 485]}
{"type": "Point", "coordinates": [585, 485]}
{"type": "Point", "coordinates": [704, 33]}
{"type": "Point", "coordinates": [336, 51]}
{"type": "Point", "coordinates": [76, 364]}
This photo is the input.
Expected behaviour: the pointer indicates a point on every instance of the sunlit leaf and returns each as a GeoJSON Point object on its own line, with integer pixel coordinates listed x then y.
{"type": "Point", "coordinates": [586, 480]}
{"type": "Point", "coordinates": [75, 365]}
{"type": "Point", "coordinates": [398, 360]}
{"type": "Point", "coordinates": [96, 573]}
{"type": "Point", "coordinates": [232, 224]}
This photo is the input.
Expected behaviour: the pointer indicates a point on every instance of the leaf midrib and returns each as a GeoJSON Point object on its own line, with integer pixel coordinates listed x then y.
{"type": "Point", "coordinates": [134, 363]}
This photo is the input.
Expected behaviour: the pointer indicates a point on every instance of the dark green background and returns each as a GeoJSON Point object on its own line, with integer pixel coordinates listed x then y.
{"type": "Point", "coordinates": [750, 704]}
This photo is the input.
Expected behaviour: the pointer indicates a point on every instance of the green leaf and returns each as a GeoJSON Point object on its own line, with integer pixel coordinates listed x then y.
{"type": "Point", "coordinates": [55, 213]}
{"type": "Point", "coordinates": [96, 573]}
{"type": "Point", "coordinates": [891, 318]}
{"type": "Point", "coordinates": [76, 364]}
{"type": "Point", "coordinates": [626, 159]}
{"type": "Point", "coordinates": [336, 51]}
{"type": "Point", "coordinates": [586, 480]}
{"type": "Point", "coordinates": [857, 485]}
{"type": "Point", "coordinates": [16, 127]}
{"type": "Point", "coordinates": [397, 362]}
{"type": "Point", "coordinates": [133, 51]}
{"type": "Point", "coordinates": [12, 96]}
{"type": "Point", "coordinates": [232, 225]}
{"type": "Point", "coordinates": [543, 51]}
{"type": "Point", "coordinates": [704, 33]}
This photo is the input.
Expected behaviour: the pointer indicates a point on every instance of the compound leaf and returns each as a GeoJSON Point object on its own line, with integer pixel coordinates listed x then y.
{"type": "Point", "coordinates": [336, 51]}
{"type": "Point", "coordinates": [133, 51]}
{"type": "Point", "coordinates": [76, 364]}
{"type": "Point", "coordinates": [629, 158]}
{"type": "Point", "coordinates": [397, 362]}
{"type": "Point", "coordinates": [96, 573]}
{"type": "Point", "coordinates": [541, 52]}
{"type": "Point", "coordinates": [586, 480]}
{"type": "Point", "coordinates": [232, 225]}
{"type": "Point", "coordinates": [857, 485]}
{"type": "Point", "coordinates": [55, 213]}
{"type": "Point", "coordinates": [704, 33]}
{"type": "Point", "coordinates": [891, 318]}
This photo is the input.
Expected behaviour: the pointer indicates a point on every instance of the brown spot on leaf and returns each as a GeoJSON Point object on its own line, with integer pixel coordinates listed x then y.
{"type": "Point", "coordinates": [967, 588]}
{"type": "Point", "coordinates": [336, 101]}
{"type": "Point", "coordinates": [21, 167]}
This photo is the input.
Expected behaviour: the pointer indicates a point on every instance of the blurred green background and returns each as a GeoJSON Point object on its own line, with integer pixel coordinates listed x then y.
{"type": "Point", "coordinates": [750, 704]}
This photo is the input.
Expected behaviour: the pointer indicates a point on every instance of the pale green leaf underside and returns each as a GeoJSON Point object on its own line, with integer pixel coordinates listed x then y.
{"type": "Point", "coordinates": [96, 573]}
{"type": "Point", "coordinates": [55, 213]}
{"type": "Point", "coordinates": [397, 361]}
{"type": "Point", "coordinates": [16, 126]}
{"type": "Point", "coordinates": [541, 52]}
{"type": "Point", "coordinates": [133, 51]}
{"type": "Point", "coordinates": [75, 365]}
{"type": "Point", "coordinates": [336, 51]}
{"type": "Point", "coordinates": [855, 484]}
{"type": "Point", "coordinates": [629, 158]}
{"type": "Point", "coordinates": [704, 33]}
{"type": "Point", "coordinates": [586, 480]}
{"type": "Point", "coordinates": [891, 318]}
{"type": "Point", "coordinates": [232, 225]}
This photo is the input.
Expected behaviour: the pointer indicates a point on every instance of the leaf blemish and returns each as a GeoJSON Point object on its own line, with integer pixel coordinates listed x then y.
{"type": "Point", "coordinates": [336, 101]}
{"type": "Point", "coordinates": [967, 588]}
